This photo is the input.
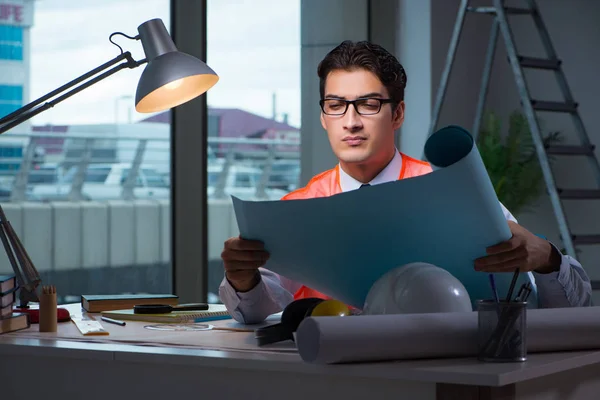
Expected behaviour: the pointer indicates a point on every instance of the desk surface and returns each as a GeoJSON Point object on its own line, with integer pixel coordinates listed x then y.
{"type": "Point", "coordinates": [466, 371]}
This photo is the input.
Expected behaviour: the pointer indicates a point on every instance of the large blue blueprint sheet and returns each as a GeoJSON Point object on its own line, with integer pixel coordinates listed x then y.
{"type": "Point", "coordinates": [340, 245]}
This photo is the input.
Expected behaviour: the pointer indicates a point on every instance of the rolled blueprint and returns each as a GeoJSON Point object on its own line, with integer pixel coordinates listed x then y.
{"type": "Point", "coordinates": [342, 244]}
{"type": "Point", "coordinates": [331, 340]}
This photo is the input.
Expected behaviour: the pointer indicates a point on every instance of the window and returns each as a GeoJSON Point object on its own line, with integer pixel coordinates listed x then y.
{"type": "Point", "coordinates": [10, 154]}
{"type": "Point", "coordinates": [102, 246]}
{"type": "Point", "coordinates": [285, 174]}
{"type": "Point", "coordinates": [154, 179]}
{"type": "Point", "coordinates": [253, 114]}
{"type": "Point", "coordinates": [47, 174]}
{"type": "Point", "coordinates": [97, 175]}
{"type": "Point", "coordinates": [244, 179]}
{"type": "Point", "coordinates": [213, 178]}
{"type": "Point", "coordinates": [92, 175]}
{"type": "Point", "coordinates": [11, 42]}
{"type": "Point", "coordinates": [11, 98]}
{"type": "Point", "coordinates": [139, 182]}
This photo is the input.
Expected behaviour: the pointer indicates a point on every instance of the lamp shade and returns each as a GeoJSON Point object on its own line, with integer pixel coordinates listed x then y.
{"type": "Point", "coordinates": [171, 77]}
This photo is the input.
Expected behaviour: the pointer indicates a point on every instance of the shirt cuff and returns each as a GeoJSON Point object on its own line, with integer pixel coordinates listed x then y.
{"type": "Point", "coordinates": [562, 275]}
{"type": "Point", "coordinates": [228, 295]}
{"type": "Point", "coordinates": [253, 306]}
{"type": "Point", "coordinates": [232, 299]}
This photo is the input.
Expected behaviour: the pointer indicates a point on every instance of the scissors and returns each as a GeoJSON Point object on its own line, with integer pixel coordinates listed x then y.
{"type": "Point", "coordinates": [165, 308]}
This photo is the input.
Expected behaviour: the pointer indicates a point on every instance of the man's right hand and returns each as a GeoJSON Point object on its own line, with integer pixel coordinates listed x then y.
{"type": "Point", "coordinates": [242, 258]}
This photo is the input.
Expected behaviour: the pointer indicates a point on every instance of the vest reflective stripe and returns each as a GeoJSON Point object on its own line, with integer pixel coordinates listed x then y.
{"type": "Point", "coordinates": [328, 183]}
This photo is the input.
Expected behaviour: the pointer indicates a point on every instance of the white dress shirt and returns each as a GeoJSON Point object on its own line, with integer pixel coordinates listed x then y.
{"type": "Point", "coordinates": [568, 287]}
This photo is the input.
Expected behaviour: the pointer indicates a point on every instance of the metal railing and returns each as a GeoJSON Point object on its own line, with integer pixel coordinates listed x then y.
{"type": "Point", "coordinates": [274, 165]}
{"type": "Point", "coordinates": [260, 168]}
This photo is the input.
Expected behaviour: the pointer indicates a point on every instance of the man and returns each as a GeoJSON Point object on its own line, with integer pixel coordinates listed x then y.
{"type": "Point", "coordinates": [362, 93]}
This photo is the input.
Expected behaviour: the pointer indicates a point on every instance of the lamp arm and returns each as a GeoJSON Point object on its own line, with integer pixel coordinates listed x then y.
{"type": "Point", "coordinates": [36, 107]}
{"type": "Point", "coordinates": [28, 277]}
{"type": "Point", "coordinates": [22, 281]}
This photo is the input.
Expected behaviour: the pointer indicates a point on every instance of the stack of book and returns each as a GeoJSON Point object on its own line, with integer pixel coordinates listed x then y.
{"type": "Point", "coordinates": [10, 321]}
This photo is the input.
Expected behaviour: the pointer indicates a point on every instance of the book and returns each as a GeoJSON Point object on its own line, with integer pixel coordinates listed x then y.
{"type": "Point", "coordinates": [8, 299]}
{"type": "Point", "coordinates": [8, 284]}
{"type": "Point", "coordinates": [214, 312]}
{"type": "Point", "coordinates": [7, 310]}
{"type": "Point", "coordinates": [14, 322]}
{"type": "Point", "coordinates": [108, 302]}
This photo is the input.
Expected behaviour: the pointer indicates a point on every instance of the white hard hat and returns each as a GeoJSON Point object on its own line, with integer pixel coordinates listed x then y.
{"type": "Point", "coordinates": [417, 288]}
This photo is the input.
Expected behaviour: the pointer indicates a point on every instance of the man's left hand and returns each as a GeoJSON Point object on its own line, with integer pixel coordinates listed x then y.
{"type": "Point", "coordinates": [524, 250]}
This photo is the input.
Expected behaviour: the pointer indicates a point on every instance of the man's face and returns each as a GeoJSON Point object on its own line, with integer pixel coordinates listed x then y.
{"type": "Point", "coordinates": [355, 138]}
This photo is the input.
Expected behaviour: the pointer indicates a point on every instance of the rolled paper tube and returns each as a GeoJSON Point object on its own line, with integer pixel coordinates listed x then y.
{"type": "Point", "coordinates": [366, 338]}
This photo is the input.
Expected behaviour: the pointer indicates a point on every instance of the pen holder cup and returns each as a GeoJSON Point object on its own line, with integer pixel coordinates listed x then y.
{"type": "Point", "coordinates": [48, 312]}
{"type": "Point", "coordinates": [502, 331]}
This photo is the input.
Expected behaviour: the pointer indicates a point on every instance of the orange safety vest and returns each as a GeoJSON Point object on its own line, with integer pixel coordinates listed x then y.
{"type": "Point", "coordinates": [328, 183]}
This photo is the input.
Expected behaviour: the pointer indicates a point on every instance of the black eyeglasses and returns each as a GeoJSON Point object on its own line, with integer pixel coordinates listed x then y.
{"type": "Point", "coordinates": [366, 106]}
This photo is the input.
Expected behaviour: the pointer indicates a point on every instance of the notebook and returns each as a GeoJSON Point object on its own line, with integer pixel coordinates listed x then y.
{"type": "Point", "coordinates": [214, 312]}
{"type": "Point", "coordinates": [14, 322]}
{"type": "Point", "coordinates": [107, 302]}
{"type": "Point", "coordinates": [8, 284]}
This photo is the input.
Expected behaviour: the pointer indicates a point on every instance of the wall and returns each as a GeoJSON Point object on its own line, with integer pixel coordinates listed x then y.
{"type": "Point", "coordinates": [324, 25]}
{"type": "Point", "coordinates": [574, 31]}
{"type": "Point", "coordinates": [413, 50]}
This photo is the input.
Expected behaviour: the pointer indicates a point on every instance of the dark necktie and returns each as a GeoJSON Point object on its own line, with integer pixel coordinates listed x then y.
{"type": "Point", "coordinates": [364, 185]}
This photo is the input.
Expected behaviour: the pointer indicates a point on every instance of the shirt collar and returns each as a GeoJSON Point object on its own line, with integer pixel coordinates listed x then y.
{"type": "Point", "coordinates": [390, 173]}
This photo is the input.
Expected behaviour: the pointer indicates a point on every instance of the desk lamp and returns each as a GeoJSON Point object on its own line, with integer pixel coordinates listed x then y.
{"type": "Point", "coordinates": [171, 78]}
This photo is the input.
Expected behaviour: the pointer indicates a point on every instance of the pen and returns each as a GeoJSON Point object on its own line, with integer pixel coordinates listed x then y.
{"type": "Point", "coordinates": [527, 291]}
{"type": "Point", "coordinates": [494, 290]}
{"type": "Point", "coordinates": [495, 293]}
{"type": "Point", "coordinates": [512, 285]}
{"type": "Point", "coordinates": [112, 321]}
{"type": "Point", "coordinates": [521, 292]}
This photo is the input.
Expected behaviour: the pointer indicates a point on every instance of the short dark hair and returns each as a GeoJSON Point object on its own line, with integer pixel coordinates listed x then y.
{"type": "Point", "coordinates": [370, 56]}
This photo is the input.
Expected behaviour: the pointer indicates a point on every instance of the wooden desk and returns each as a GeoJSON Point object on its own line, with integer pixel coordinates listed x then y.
{"type": "Point", "coordinates": [60, 369]}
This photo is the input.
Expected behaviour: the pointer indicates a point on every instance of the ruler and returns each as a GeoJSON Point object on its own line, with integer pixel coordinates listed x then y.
{"type": "Point", "coordinates": [88, 326]}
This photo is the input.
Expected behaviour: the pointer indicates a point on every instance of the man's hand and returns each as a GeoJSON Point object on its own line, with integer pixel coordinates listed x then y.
{"type": "Point", "coordinates": [241, 259]}
{"type": "Point", "coordinates": [524, 250]}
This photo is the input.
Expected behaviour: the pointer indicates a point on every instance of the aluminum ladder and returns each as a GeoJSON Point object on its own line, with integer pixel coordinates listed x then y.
{"type": "Point", "coordinates": [530, 106]}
